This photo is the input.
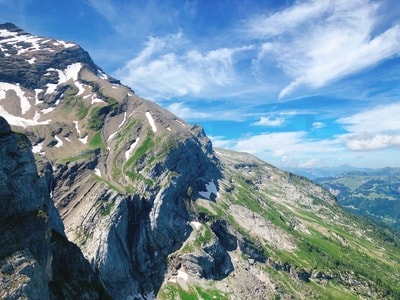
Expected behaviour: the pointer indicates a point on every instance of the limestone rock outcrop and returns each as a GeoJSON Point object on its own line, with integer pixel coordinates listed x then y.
{"type": "Point", "coordinates": [36, 259]}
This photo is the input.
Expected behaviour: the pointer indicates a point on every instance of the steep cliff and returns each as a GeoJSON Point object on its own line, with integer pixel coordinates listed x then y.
{"type": "Point", "coordinates": [158, 212]}
{"type": "Point", "coordinates": [36, 259]}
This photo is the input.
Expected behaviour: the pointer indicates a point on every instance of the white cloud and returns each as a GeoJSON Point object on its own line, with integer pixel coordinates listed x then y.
{"type": "Point", "coordinates": [289, 148]}
{"type": "Point", "coordinates": [317, 125]}
{"type": "Point", "coordinates": [165, 68]}
{"type": "Point", "coordinates": [375, 119]}
{"type": "Point", "coordinates": [286, 20]}
{"type": "Point", "coordinates": [376, 128]}
{"type": "Point", "coordinates": [367, 141]}
{"type": "Point", "coordinates": [185, 112]}
{"type": "Point", "coordinates": [313, 162]}
{"type": "Point", "coordinates": [267, 121]}
{"type": "Point", "coordinates": [221, 142]}
{"type": "Point", "coordinates": [317, 42]}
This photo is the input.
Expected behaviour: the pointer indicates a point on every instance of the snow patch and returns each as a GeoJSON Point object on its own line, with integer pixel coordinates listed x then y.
{"type": "Point", "coordinates": [32, 60]}
{"type": "Point", "coordinates": [14, 39]}
{"type": "Point", "coordinates": [97, 172]}
{"type": "Point", "coordinates": [183, 275]}
{"type": "Point", "coordinates": [51, 88]}
{"type": "Point", "coordinates": [5, 33]}
{"type": "Point", "coordinates": [131, 148]}
{"type": "Point", "coordinates": [84, 140]}
{"type": "Point", "coordinates": [24, 103]}
{"type": "Point", "coordinates": [37, 148]}
{"type": "Point", "coordinates": [95, 99]}
{"type": "Point", "coordinates": [59, 142]}
{"type": "Point", "coordinates": [211, 188]}
{"type": "Point", "coordinates": [80, 87]}
{"type": "Point", "coordinates": [123, 121]}
{"type": "Point", "coordinates": [195, 225]}
{"type": "Point", "coordinates": [37, 92]}
{"type": "Point", "coordinates": [112, 136]}
{"type": "Point", "coordinates": [151, 121]}
{"type": "Point", "coordinates": [71, 72]}
{"type": "Point", "coordinates": [180, 123]}
{"type": "Point", "coordinates": [66, 44]}
{"type": "Point", "coordinates": [48, 110]}
{"type": "Point", "coordinates": [102, 75]}
{"type": "Point", "coordinates": [19, 121]}
{"type": "Point", "coordinates": [77, 128]}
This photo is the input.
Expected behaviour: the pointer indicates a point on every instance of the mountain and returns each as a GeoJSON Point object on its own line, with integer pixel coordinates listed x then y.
{"type": "Point", "coordinates": [324, 172]}
{"type": "Point", "coordinates": [156, 211]}
{"type": "Point", "coordinates": [33, 246]}
{"type": "Point", "coordinates": [374, 193]}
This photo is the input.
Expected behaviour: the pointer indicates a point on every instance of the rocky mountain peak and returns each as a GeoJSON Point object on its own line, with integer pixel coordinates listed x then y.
{"type": "Point", "coordinates": [30, 60]}
{"type": "Point", "coordinates": [154, 208]}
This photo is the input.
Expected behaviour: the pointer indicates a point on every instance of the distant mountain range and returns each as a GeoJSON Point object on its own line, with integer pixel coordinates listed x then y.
{"type": "Point", "coordinates": [322, 172]}
{"type": "Point", "coordinates": [106, 195]}
{"type": "Point", "coordinates": [374, 193]}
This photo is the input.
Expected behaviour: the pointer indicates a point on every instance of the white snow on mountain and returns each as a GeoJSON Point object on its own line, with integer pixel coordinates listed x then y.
{"type": "Point", "coordinates": [151, 121]}
{"type": "Point", "coordinates": [77, 128]}
{"type": "Point", "coordinates": [180, 123]}
{"type": "Point", "coordinates": [84, 140]}
{"type": "Point", "coordinates": [71, 72]}
{"type": "Point", "coordinates": [123, 121]}
{"type": "Point", "coordinates": [131, 148]}
{"type": "Point", "coordinates": [59, 142]}
{"type": "Point", "coordinates": [102, 75]}
{"type": "Point", "coordinates": [38, 148]}
{"type": "Point", "coordinates": [37, 92]}
{"type": "Point", "coordinates": [80, 86]}
{"type": "Point", "coordinates": [32, 60]}
{"type": "Point", "coordinates": [24, 43]}
{"type": "Point", "coordinates": [19, 121]}
{"type": "Point", "coordinates": [95, 99]}
{"type": "Point", "coordinates": [97, 172]}
{"type": "Point", "coordinates": [24, 102]}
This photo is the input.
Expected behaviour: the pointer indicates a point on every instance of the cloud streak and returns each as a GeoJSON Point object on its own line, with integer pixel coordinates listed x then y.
{"type": "Point", "coordinates": [165, 68]}
{"type": "Point", "coordinates": [267, 121]}
{"type": "Point", "coordinates": [318, 42]}
{"type": "Point", "coordinates": [377, 128]}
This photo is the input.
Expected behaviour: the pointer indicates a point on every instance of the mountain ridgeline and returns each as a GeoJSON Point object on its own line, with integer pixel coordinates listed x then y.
{"type": "Point", "coordinates": [373, 193]}
{"type": "Point", "coordinates": [125, 200]}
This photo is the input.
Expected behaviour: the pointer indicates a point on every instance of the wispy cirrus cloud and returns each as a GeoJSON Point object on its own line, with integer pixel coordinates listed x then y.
{"type": "Point", "coordinates": [291, 148]}
{"type": "Point", "coordinates": [377, 128]}
{"type": "Point", "coordinates": [135, 18]}
{"type": "Point", "coordinates": [317, 125]}
{"type": "Point", "coordinates": [317, 42]}
{"type": "Point", "coordinates": [185, 112]}
{"type": "Point", "coordinates": [270, 121]}
{"type": "Point", "coordinates": [169, 67]}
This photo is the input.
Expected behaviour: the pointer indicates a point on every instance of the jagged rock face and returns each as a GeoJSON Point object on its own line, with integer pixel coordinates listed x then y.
{"type": "Point", "coordinates": [27, 58]}
{"type": "Point", "coordinates": [155, 210]}
{"type": "Point", "coordinates": [33, 247]}
{"type": "Point", "coordinates": [124, 169]}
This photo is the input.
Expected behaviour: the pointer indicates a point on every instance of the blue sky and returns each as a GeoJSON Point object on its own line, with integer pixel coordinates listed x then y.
{"type": "Point", "coordinates": [297, 83]}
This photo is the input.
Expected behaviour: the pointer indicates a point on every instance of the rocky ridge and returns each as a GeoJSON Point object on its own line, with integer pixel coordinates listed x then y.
{"type": "Point", "coordinates": [158, 212]}
{"type": "Point", "coordinates": [33, 247]}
